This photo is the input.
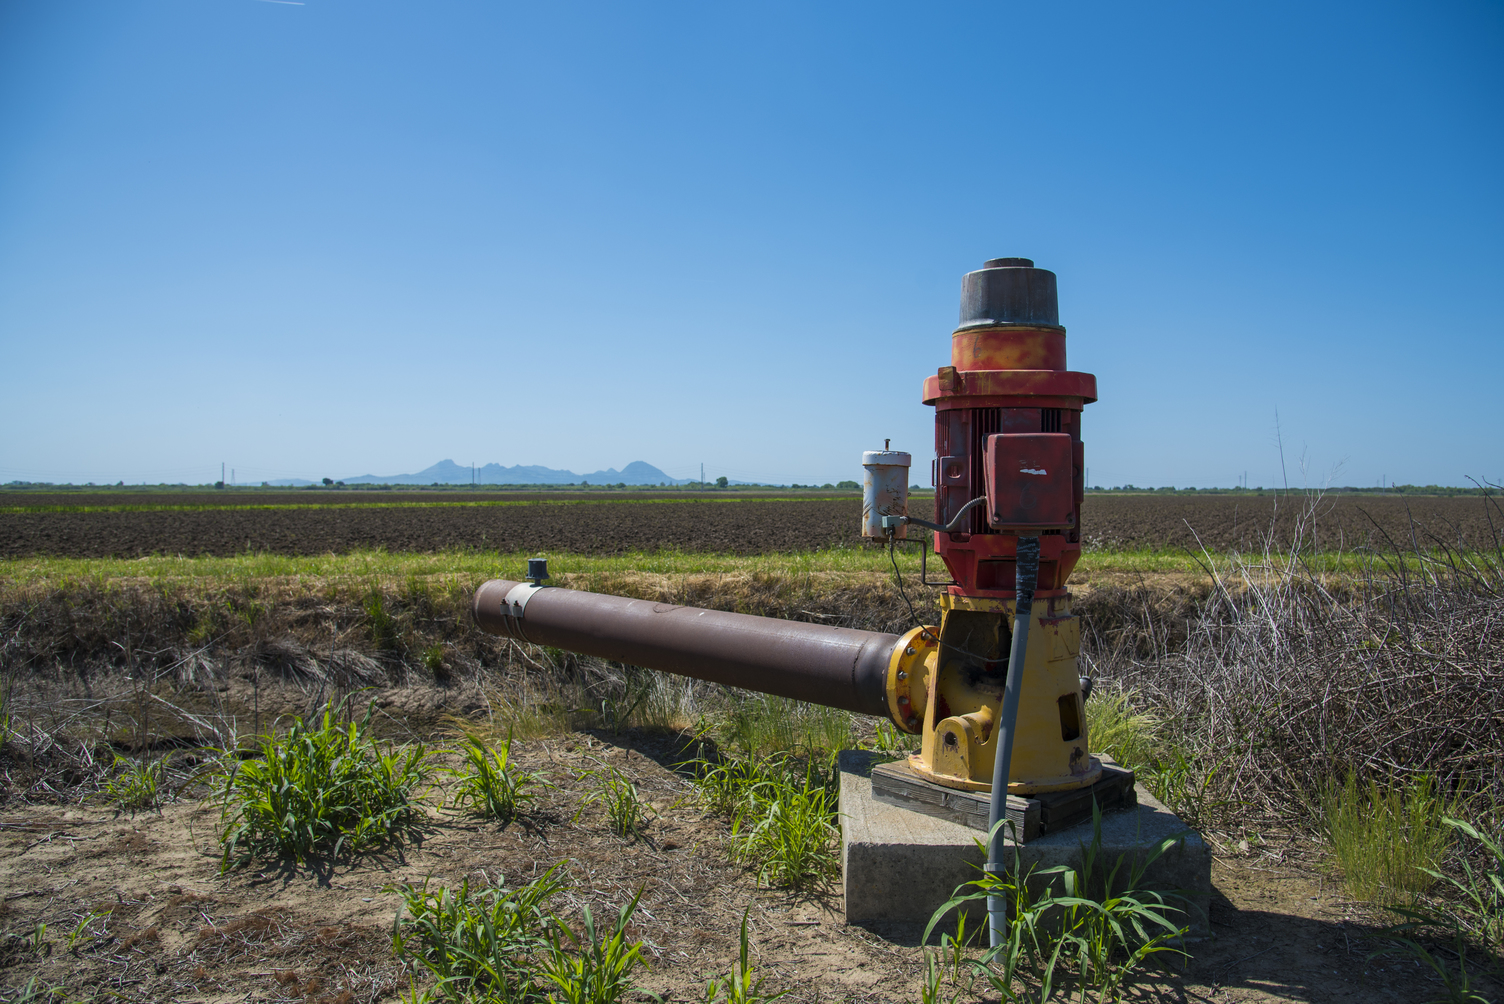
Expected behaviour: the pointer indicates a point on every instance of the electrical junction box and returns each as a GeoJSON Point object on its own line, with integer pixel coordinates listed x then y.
{"type": "Point", "coordinates": [1031, 481]}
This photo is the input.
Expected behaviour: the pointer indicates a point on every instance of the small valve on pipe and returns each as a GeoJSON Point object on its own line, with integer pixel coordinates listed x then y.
{"type": "Point", "coordinates": [885, 491]}
{"type": "Point", "coordinates": [537, 570]}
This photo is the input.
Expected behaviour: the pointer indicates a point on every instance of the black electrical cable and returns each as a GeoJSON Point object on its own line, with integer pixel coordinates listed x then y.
{"type": "Point", "coordinates": [898, 578]}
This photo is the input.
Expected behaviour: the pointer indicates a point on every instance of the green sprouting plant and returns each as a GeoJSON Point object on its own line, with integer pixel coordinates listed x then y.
{"type": "Point", "coordinates": [137, 784]}
{"type": "Point", "coordinates": [886, 738]}
{"type": "Point", "coordinates": [383, 624]}
{"type": "Point", "coordinates": [488, 942]}
{"type": "Point", "coordinates": [618, 795]}
{"type": "Point", "coordinates": [1476, 910]}
{"type": "Point", "coordinates": [758, 725]}
{"type": "Point", "coordinates": [38, 941]}
{"type": "Point", "coordinates": [1184, 783]}
{"type": "Point", "coordinates": [1387, 841]}
{"type": "Point", "coordinates": [594, 967]}
{"type": "Point", "coordinates": [325, 790]}
{"type": "Point", "coordinates": [739, 986]}
{"type": "Point", "coordinates": [34, 992]}
{"type": "Point", "coordinates": [1095, 925]}
{"type": "Point", "coordinates": [1456, 981]}
{"type": "Point", "coordinates": [787, 830]}
{"type": "Point", "coordinates": [1480, 908]}
{"type": "Point", "coordinates": [1116, 727]}
{"type": "Point", "coordinates": [6, 709]}
{"type": "Point", "coordinates": [433, 661]}
{"type": "Point", "coordinates": [782, 817]}
{"type": "Point", "coordinates": [725, 786]}
{"type": "Point", "coordinates": [931, 989]}
{"type": "Point", "coordinates": [82, 930]}
{"type": "Point", "coordinates": [954, 947]}
{"type": "Point", "coordinates": [414, 995]}
{"type": "Point", "coordinates": [491, 784]}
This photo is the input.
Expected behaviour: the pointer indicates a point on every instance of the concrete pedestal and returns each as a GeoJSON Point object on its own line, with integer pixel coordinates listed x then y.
{"type": "Point", "coordinates": [898, 865]}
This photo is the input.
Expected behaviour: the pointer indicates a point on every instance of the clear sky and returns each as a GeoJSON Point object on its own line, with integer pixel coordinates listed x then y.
{"type": "Point", "coordinates": [338, 238]}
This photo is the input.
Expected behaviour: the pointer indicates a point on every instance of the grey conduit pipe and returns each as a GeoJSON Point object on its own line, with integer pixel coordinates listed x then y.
{"type": "Point", "coordinates": [1027, 577]}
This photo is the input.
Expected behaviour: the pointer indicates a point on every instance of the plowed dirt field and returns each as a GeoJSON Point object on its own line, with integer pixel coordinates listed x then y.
{"type": "Point", "coordinates": [604, 524]}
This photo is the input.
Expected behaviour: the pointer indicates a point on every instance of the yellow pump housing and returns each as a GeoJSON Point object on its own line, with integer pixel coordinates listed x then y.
{"type": "Point", "coordinates": [946, 685]}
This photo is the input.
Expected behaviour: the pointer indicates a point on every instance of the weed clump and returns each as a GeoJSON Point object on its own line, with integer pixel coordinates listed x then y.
{"type": "Point", "coordinates": [491, 784]}
{"type": "Point", "coordinates": [327, 790]}
{"type": "Point", "coordinates": [782, 817]}
{"type": "Point", "coordinates": [1387, 841]}
{"type": "Point", "coordinates": [1094, 926]}
{"type": "Point", "coordinates": [485, 942]}
{"type": "Point", "coordinates": [137, 784]}
{"type": "Point", "coordinates": [618, 796]}
{"type": "Point", "coordinates": [502, 945]}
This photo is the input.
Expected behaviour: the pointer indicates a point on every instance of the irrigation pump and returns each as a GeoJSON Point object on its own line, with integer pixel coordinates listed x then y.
{"type": "Point", "coordinates": [1008, 479]}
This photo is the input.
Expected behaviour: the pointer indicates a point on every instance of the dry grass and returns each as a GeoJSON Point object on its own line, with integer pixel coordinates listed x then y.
{"type": "Point", "coordinates": [1285, 679]}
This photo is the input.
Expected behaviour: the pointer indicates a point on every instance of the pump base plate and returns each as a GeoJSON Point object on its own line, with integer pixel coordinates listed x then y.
{"type": "Point", "coordinates": [1046, 812]}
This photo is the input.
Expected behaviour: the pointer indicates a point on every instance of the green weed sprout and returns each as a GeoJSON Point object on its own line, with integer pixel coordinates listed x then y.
{"type": "Point", "coordinates": [782, 818]}
{"type": "Point", "coordinates": [137, 784]}
{"type": "Point", "coordinates": [35, 992]}
{"type": "Point", "coordinates": [1089, 930]}
{"type": "Point", "coordinates": [1481, 893]}
{"type": "Point", "coordinates": [594, 967]}
{"type": "Point", "coordinates": [1478, 910]}
{"type": "Point", "coordinates": [787, 830]}
{"type": "Point", "coordinates": [616, 792]}
{"type": "Point", "coordinates": [82, 930]}
{"type": "Point", "coordinates": [739, 986]}
{"type": "Point", "coordinates": [491, 785]}
{"type": "Point", "coordinates": [483, 943]}
{"type": "Point", "coordinates": [1387, 841]}
{"type": "Point", "coordinates": [319, 791]}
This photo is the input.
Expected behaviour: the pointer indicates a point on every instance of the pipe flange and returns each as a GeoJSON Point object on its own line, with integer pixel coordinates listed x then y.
{"type": "Point", "coordinates": [908, 677]}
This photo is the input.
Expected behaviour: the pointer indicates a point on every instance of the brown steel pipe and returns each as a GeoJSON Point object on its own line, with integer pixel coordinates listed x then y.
{"type": "Point", "coordinates": [837, 667]}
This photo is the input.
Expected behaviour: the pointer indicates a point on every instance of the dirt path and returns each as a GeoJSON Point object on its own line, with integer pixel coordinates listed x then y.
{"type": "Point", "coordinates": [179, 931]}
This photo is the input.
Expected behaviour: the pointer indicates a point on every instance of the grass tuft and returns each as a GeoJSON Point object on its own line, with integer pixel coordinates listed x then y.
{"type": "Point", "coordinates": [1095, 926]}
{"type": "Point", "coordinates": [1387, 841]}
{"type": "Point", "coordinates": [327, 790]}
{"type": "Point", "coordinates": [616, 793]}
{"type": "Point", "coordinates": [782, 817]}
{"type": "Point", "coordinates": [1118, 727]}
{"type": "Point", "coordinates": [491, 785]}
{"type": "Point", "coordinates": [137, 784]}
{"type": "Point", "coordinates": [593, 967]}
{"type": "Point", "coordinates": [486, 944]}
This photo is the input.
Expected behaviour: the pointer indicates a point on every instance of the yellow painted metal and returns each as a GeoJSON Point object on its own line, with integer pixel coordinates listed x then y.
{"type": "Point", "coordinates": [956, 702]}
{"type": "Point", "coordinates": [982, 604]}
{"type": "Point", "coordinates": [909, 669]}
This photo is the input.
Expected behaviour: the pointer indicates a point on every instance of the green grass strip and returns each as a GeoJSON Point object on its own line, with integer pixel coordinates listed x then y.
{"type": "Point", "coordinates": [479, 565]}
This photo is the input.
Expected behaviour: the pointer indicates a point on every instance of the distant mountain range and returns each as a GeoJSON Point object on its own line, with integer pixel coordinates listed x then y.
{"type": "Point", "coordinates": [447, 472]}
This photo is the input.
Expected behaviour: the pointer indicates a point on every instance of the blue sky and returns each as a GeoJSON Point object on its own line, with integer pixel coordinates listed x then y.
{"type": "Point", "coordinates": [338, 238]}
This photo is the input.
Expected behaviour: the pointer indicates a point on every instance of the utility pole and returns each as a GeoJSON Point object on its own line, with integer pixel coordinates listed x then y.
{"type": "Point", "coordinates": [221, 473]}
{"type": "Point", "coordinates": [702, 476]}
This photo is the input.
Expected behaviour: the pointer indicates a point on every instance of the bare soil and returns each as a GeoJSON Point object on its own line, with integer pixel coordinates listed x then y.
{"type": "Point", "coordinates": [178, 930]}
{"type": "Point", "coordinates": [745, 526]}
